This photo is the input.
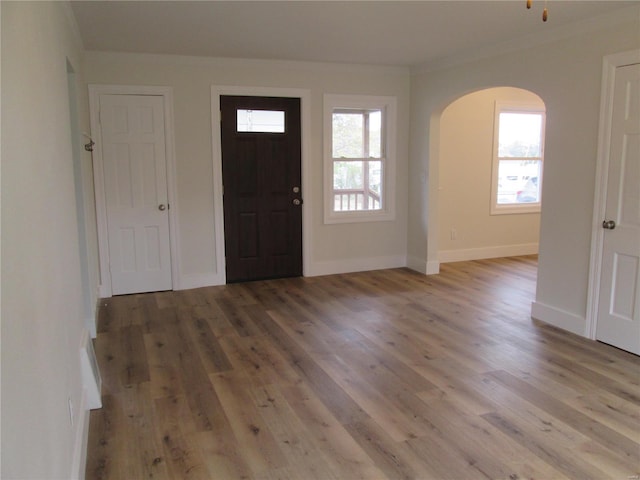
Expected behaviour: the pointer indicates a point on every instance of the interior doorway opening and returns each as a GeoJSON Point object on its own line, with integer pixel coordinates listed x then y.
{"type": "Point", "coordinates": [466, 228]}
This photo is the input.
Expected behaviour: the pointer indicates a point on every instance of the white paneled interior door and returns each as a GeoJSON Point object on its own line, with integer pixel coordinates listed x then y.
{"type": "Point", "coordinates": [135, 184]}
{"type": "Point", "coordinates": [618, 321]}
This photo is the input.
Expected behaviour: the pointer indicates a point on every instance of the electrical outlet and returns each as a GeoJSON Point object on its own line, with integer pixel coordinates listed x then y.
{"type": "Point", "coordinates": [70, 410]}
{"type": "Point", "coordinates": [454, 234]}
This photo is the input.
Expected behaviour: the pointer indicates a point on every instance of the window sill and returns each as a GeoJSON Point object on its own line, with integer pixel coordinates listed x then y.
{"type": "Point", "coordinates": [358, 217]}
{"type": "Point", "coordinates": [515, 209]}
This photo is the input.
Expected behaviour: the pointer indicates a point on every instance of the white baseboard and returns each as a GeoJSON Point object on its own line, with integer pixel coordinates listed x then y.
{"type": "Point", "coordinates": [197, 280]}
{"type": "Point", "coordinates": [447, 256]}
{"type": "Point", "coordinates": [92, 323]}
{"type": "Point", "coordinates": [417, 264]}
{"type": "Point", "coordinates": [332, 267]}
{"type": "Point", "coordinates": [81, 433]}
{"type": "Point", "coordinates": [433, 267]}
{"type": "Point", "coordinates": [91, 378]}
{"type": "Point", "coordinates": [104, 291]}
{"type": "Point", "coordinates": [79, 460]}
{"type": "Point", "coordinates": [91, 384]}
{"type": "Point", "coordinates": [559, 318]}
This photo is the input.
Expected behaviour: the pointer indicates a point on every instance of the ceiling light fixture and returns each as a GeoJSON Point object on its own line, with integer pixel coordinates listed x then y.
{"type": "Point", "coordinates": [545, 14]}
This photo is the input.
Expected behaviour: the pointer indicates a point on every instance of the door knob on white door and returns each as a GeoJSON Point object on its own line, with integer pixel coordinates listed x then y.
{"type": "Point", "coordinates": [161, 207]}
{"type": "Point", "coordinates": [609, 224]}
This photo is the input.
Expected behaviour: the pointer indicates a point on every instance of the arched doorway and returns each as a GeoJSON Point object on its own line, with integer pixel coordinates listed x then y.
{"type": "Point", "coordinates": [466, 227]}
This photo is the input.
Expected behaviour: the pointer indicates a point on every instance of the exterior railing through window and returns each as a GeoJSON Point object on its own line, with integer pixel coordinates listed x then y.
{"type": "Point", "coordinates": [354, 199]}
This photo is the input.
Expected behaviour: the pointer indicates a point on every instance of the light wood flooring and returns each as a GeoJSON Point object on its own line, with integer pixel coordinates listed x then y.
{"type": "Point", "coordinates": [378, 375]}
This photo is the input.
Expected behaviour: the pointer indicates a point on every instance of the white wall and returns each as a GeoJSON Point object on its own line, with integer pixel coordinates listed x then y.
{"type": "Point", "coordinates": [332, 247]}
{"type": "Point", "coordinates": [566, 74]}
{"type": "Point", "coordinates": [44, 314]}
{"type": "Point", "coordinates": [464, 189]}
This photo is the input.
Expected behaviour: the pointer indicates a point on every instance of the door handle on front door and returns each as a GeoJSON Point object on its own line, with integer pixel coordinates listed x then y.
{"type": "Point", "coordinates": [609, 224]}
{"type": "Point", "coordinates": [297, 201]}
{"type": "Point", "coordinates": [161, 207]}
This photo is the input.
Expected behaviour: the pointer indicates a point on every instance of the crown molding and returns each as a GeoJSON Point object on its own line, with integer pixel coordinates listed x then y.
{"type": "Point", "coordinates": [228, 62]}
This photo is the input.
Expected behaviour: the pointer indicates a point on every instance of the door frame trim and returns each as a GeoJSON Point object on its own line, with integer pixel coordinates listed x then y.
{"type": "Point", "coordinates": [95, 90]}
{"type": "Point", "coordinates": [305, 118]}
{"type": "Point", "coordinates": [609, 65]}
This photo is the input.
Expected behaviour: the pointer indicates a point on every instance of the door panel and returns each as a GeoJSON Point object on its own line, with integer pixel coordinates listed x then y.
{"type": "Point", "coordinates": [619, 302]}
{"type": "Point", "coordinates": [135, 176]}
{"type": "Point", "coordinates": [263, 226]}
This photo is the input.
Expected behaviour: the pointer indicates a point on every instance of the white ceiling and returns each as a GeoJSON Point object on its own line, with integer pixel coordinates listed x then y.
{"type": "Point", "coordinates": [399, 33]}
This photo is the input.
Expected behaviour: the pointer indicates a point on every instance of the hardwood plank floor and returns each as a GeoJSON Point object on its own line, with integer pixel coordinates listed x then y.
{"type": "Point", "coordinates": [376, 375]}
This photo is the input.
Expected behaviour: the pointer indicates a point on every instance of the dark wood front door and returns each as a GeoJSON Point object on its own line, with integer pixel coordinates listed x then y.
{"type": "Point", "coordinates": [261, 173]}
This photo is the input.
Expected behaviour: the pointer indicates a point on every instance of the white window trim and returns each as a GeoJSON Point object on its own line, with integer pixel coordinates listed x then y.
{"type": "Point", "coordinates": [388, 106]}
{"type": "Point", "coordinates": [514, 107]}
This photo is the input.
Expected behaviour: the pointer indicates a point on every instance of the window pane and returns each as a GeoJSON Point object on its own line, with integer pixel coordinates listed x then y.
{"type": "Point", "coordinates": [347, 175]}
{"type": "Point", "coordinates": [357, 134]}
{"type": "Point", "coordinates": [520, 135]}
{"type": "Point", "coordinates": [375, 176]}
{"type": "Point", "coordinates": [375, 133]}
{"type": "Point", "coordinates": [518, 181]}
{"type": "Point", "coordinates": [357, 185]}
{"type": "Point", "coordinates": [348, 135]}
{"type": "Point", "coordinates": [375, 184]}
{"type": "Point", "coordinates": [265, 121]}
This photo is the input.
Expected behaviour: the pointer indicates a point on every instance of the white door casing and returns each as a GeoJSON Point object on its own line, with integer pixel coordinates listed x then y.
{"type": "Point", "coordinates": [135, 201]}
{"type": "Point", "coordinates": [304, 95]}
{"type": "Point", "coordinates": [615, 282]}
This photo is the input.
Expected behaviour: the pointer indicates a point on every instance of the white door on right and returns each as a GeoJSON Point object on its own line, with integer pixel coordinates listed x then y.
{"type": "Point", "coordinates": [618, 321]}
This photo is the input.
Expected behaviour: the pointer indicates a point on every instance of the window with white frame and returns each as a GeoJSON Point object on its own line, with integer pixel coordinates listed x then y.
{"type": "Point", "coordinates": [518, 158]}
{"type": "Point", "coordinates": [359, 145]}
